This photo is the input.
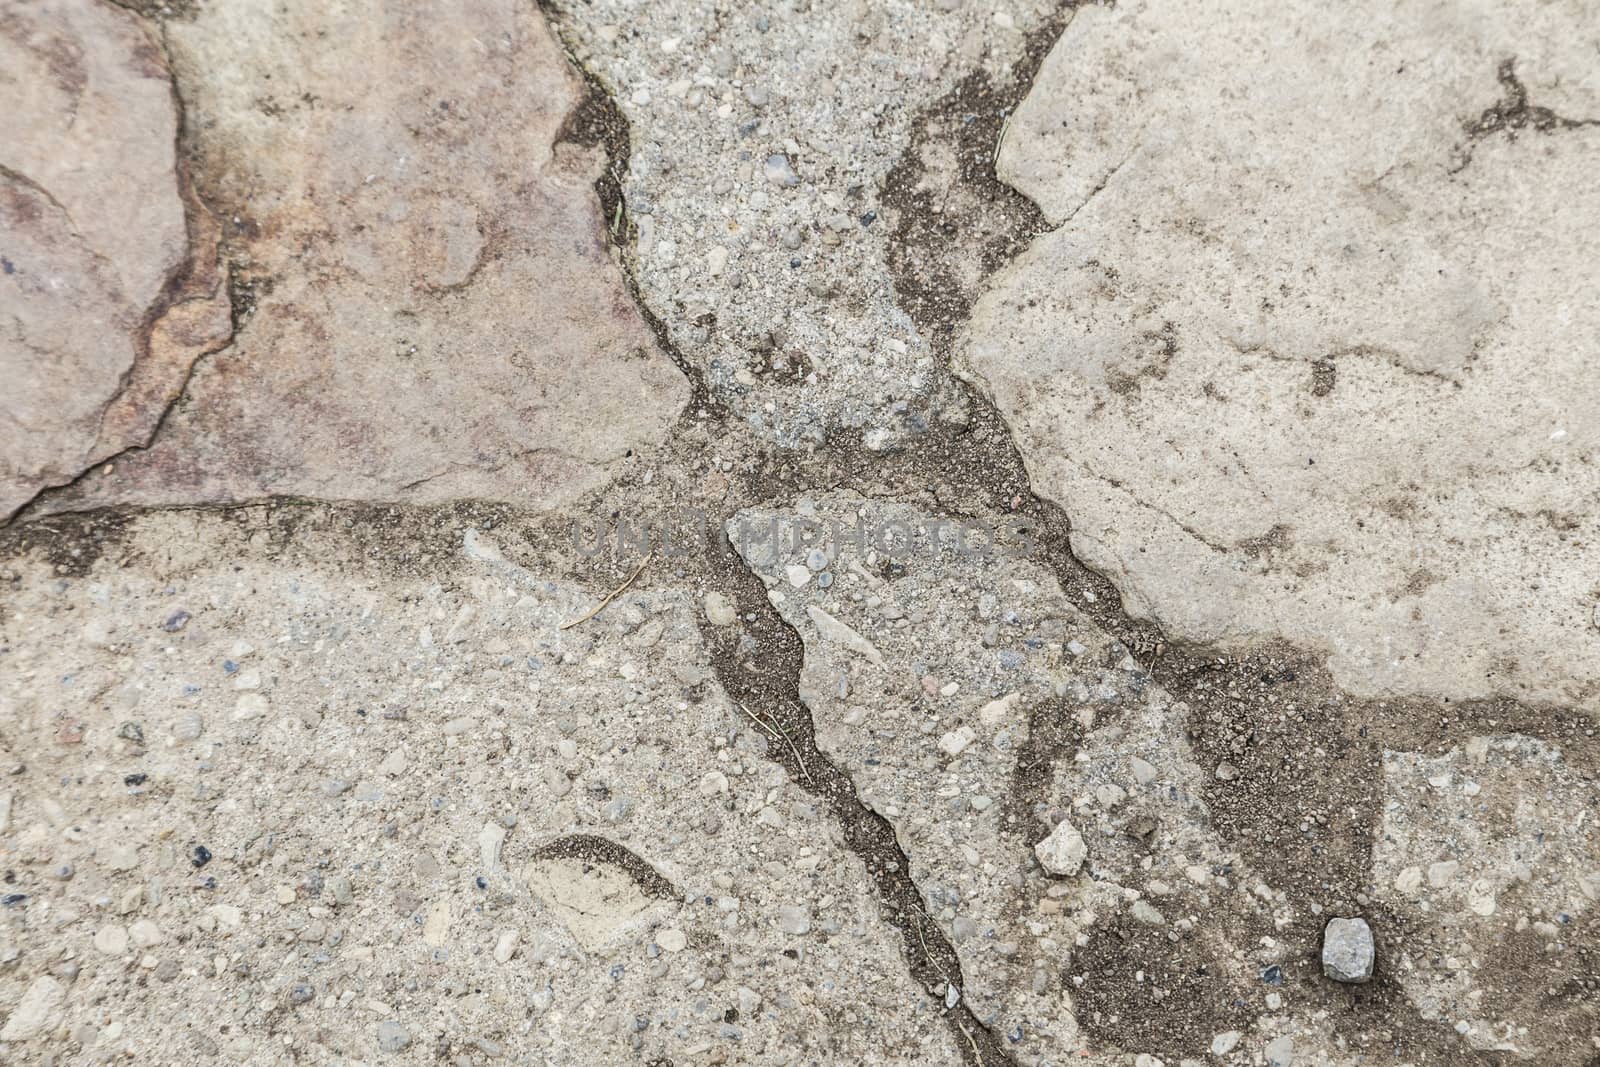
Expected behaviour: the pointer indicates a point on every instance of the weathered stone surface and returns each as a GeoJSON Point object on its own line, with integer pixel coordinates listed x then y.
{"type": "Point", "coordinates": [39, 1008]}
{"type": "Point", "coordinates": [1308, 353]}
{"type": "Point", "coordinates": [638, 923]}
{"type": "Point", "coordinates": [963, 673]}
{"type": "Point", "coordinates": [105, 301]}
{"type": "Point", "coordinates": [432, 312]}
{"type": "Point", "coordinates": [1490, 852]}
{"type": "Point", "coordinates": [1348, 953]}
{"type": "Point", "coordinates": [761, 198]}
{"type": "Point", "coordinates": [386, 783]}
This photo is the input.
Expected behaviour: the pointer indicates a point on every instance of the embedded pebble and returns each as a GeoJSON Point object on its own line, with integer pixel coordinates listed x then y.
{"type": "Point", "coordinates": [779, 172]}
{"type": "Point", "coordinates": [720, 610]}
{"type": "Point", "coordinates": [1063, 852]}
{"type": "Point", "coordinates": [956, 741]}
{"type": "Point", "coordinates": [1348, 954]}
{"type": "Point", "coordinates": [111, 940]}
{"type": "Point", "coordinates": [392, 1037]}
{"type": "Point", "coordinates": [793, 919]}
{"type": "Point", "coordinates": [41, 1002]}
{"type": "Point", "coordinates": [1225, 1042]}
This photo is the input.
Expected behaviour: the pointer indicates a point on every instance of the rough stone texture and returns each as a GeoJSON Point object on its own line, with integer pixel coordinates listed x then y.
{"type": "Point", "coordinates": [1491, 852]}
{"type": "Point", "coordinates": [1308, 353]}
{"type": "Point", "coordinates": [36, 1012]}
{"type": "Point", "coordinates": [1045, 713]}
{"type": "Point", "coordinates": [763, 137]}
{"type": "Point", "coordinates": [104, 302]}
{"type": "Point", "coordinates": [1348, 954]}
{"type": "Point", "coordinates": [432, 312]}
{"type": "Point", "coordinates": [385, 784]}
{"type": "Point", "coordinates": [1063, 851]}
{"type": "Point", "coordinates": [386, 769]}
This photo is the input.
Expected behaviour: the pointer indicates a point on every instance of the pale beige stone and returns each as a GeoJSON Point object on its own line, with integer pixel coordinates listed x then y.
{"type": "Point", "coordinates": [1306, 358]}
{"type": "Point", "coordinates": [39, 1007]}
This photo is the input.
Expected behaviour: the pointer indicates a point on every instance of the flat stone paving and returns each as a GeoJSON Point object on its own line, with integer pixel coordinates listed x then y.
{"type": "Point", "coordinates": [656, 533]}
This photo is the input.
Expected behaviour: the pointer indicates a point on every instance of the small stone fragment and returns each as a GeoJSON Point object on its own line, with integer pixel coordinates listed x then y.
{"type": "Point", "coordinates": [833, 630]}
{"type": "Point", "coordinates": [1146, 913]}
{"type": "Point", "coordinates": [719, 610]}
{"type": "Point", "coordinates": [1063, 852]}
{"type": "Point", "coordinates": [491, 839]}
{"type": "Point", "coordinates": [392, 1037]}
{"type": "Point", "coordinates": [779, 172]}
{"type": "Point", "coordinates": [1347, 951]}
{"type": "Point", "coordinates": [794, 920]}
{"type": "Point", "coordinates": [506, 946]}
{"type": "Point", "coordinates": [40, 1003]}
{"type": "Point", "coordinates": [111, 940]}
{"type": "Point", "coordinates": [1144, 772]}
{"type": "Point", "coordinates": [145, 933]}
{"type": "Point", "coordinates": [956, 741]}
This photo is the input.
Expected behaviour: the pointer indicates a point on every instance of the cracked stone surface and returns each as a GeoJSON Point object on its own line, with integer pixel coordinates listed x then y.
{"type": "Point", "coordinates": [104, 301]}
{"type": "Point", "coordinates": [763, 141]}
{"type": "Point", "coordinates": [977, 707]}
{"type": "Point", "coordinates": [796, 534]}
{"type": "Point", "coordinates": [1306, 354]}
{"type": "Point", "coordinates": [429, 310]}
{"type": "Point", "coordinates": [398, 779]}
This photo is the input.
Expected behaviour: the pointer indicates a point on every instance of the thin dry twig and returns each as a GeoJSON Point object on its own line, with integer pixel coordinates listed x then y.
{"type": "Point", "coordinates": [776, 731]}
{"type": "Point", "coordinates": [926, 955]}
{"type": "Point", "coordinates": [609, 597]}
{"type": "Point", "coordinates": [968, 1035]}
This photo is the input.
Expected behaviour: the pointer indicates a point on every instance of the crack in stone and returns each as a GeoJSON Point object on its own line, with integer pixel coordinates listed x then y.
{"type": "Point", "coordinates": [1512, 114]}
{"type": "Point", "coordinates": [174, 293]}
{"type": "Point", "coordinates": [597, 122]}
{"type": "Point", "coordinates": [1215, 684]}
{"type": "Point", "coordinates": [775, 693]}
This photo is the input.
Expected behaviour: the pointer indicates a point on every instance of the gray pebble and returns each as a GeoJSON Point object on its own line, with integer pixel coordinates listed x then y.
{"type": "Point", "coordinates": [1347, 950]}
{"type": "Point", "coordinates": [392, 1037]}
{"type": "Point", "coordinates": [779, 172]}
